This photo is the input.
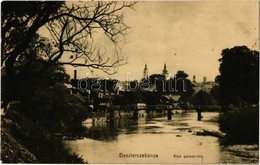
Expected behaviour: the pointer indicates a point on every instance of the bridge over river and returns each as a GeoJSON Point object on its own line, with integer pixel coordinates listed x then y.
{"type": "Point", "coordinates": [141, 109]}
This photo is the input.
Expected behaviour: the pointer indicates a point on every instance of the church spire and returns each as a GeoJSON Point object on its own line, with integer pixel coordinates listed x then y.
{"type": "Point", "coordinates": [145, 72]}
{"type": "Point", "coordinates": [194, 79]}
{"type": "Point", "coordinates": [165, 72]}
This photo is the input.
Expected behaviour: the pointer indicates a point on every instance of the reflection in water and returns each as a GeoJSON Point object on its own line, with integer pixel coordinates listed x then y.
{"type": "Point", "coordinates": [172, 140]}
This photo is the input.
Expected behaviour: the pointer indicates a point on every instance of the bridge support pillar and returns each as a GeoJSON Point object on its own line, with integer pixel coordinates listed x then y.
{"type": "Point", "coordinates": [135, 115]}
{"type": "Point", "coordinates": [111, 115]}
{"type": "Point", "coordinates": [169, 115]}
{"type": "Point", "coordinates": [119, 114]}
{"type": "Point", "coordinates": [199, 116]}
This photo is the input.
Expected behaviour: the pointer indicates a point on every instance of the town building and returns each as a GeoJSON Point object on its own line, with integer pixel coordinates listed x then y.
{"type": "Point", "coordinates": [205, 85]}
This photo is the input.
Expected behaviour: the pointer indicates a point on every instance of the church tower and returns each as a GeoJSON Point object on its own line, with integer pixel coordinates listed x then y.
{"type": "Point", "coordinates": [165, 72]}
{"type": "Point", "coordinates": [204, 79]}
{"type": "Point", "coordinates": [145, 72]}
{"type": "Point", "coordinates": [194, 79]}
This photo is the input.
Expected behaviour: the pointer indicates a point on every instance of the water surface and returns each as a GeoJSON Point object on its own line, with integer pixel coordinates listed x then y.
{"type": "Point", "coordinates": [172, 141]}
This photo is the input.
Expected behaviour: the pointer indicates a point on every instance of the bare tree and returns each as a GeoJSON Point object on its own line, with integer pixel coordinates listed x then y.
{"type": "Point", "coordinates": [72, 31]}
{"type": "Point", "coordinates": [71, 27]}
{"type": "Point", "coordinates": [60, 33]}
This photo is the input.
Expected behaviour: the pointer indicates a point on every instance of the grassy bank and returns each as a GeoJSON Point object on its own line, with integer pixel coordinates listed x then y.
{"type": "Point", "coordinates": [12, 151]}
{"type": "Point", "coordinates": [25, 141]}
{"type": "Point", "coordinates": [240, 153]}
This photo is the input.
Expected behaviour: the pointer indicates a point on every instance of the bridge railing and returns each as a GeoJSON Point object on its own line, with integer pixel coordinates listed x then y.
{"type": "Point", "coordinates": [166, 107]}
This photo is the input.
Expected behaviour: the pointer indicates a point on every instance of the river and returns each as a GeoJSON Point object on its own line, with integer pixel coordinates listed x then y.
{"type": "Point", "coordinates": [154, 140]}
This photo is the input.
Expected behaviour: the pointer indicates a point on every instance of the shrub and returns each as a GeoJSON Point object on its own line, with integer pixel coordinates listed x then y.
{"type": "Point", "coordinates": [241, 125]}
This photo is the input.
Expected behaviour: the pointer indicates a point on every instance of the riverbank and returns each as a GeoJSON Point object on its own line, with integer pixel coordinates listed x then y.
{"type": "Point", "coordinates": [11, 150]}
{"type": "Point", "coordinates": [242, 154]}
{"type": "Point", "coordinates": [25, 141]}
{"type": "Point", "coordinates": [235, 153]}
{"type": "Point", "coordinates": [241, 124]}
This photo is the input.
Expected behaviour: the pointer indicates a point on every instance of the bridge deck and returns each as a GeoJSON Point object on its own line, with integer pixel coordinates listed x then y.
{"type": "Point", "coordinates": [167, 107]}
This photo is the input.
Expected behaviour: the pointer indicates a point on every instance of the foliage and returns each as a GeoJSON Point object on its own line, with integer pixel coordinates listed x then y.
{"type": "Point", "coordinates": [151, 98]}
{"type": "Point", "coordinates": [187, 85]}
{"type": "Point", "coordinates": [215, 93]}
{"type": "Point", "coordinates": [203, 98]}
{"type": "Point", "coordinates": [46, 99]}
{"type": "Point", "coordinates": [179, 84]}
{"type": "Point", "coordinates": [52, 33]}
{"type": "Point", "coordinates": [151, 90]}
{"type": "Point", "coordinates": [239, 88]}
{"type": "Point", "coordinates": [159, 82]}
{"type": "Point", "coordinates": [37, 139]}
{"type": "Point", "coordinates": [46, 107]}
{"type": "Point", "coordinates": [71, 26]}
{"type": "Point", "coordinates": [241, 125]}
{"type": "Point", "coordinates": [38, 38]}
{"type": "Point", "coordinates": [239, 75]}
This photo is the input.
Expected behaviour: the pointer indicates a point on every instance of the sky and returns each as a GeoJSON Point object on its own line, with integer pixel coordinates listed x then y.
{"type": "Point", "coordinates": [186, 35]}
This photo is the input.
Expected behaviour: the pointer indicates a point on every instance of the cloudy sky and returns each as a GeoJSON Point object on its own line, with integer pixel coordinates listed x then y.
{"type": "Point", "coordinates": [186, 36]}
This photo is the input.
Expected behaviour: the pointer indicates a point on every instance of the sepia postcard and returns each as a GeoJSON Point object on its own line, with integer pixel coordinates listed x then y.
{"type": "Point", "coordinates": [130, 82]}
